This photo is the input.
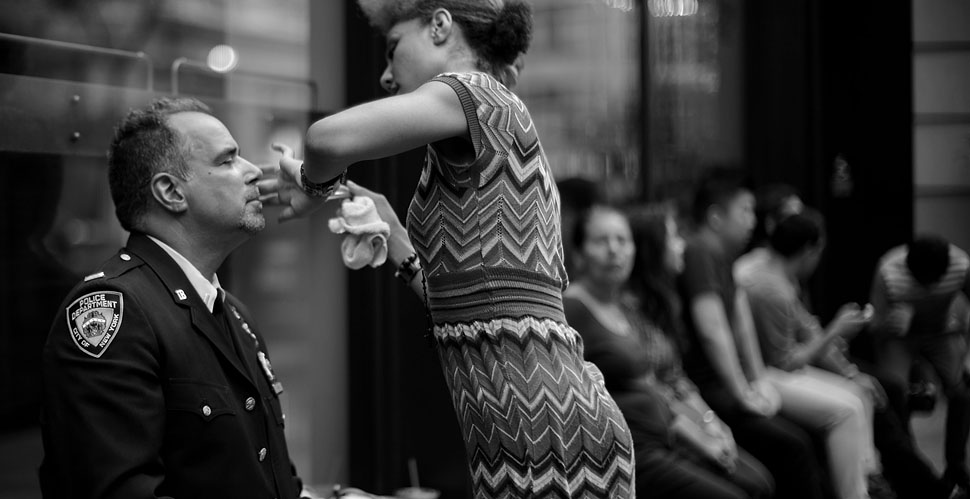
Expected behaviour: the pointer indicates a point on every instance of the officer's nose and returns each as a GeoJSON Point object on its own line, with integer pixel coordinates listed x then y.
{"type": "Point", "coordinates": [252, 172]}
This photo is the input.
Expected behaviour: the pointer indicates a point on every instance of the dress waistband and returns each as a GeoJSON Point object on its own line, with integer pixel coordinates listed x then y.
{"type": "Point", "coordinates": [490, 293]}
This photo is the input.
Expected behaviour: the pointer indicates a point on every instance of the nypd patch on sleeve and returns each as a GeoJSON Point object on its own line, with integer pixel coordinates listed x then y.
{"type": "Point", "coordinates": [94, 320]}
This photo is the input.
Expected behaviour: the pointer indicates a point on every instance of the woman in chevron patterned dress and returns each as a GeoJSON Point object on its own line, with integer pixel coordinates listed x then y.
{"type": "Point", "coordinates": [484, 246]}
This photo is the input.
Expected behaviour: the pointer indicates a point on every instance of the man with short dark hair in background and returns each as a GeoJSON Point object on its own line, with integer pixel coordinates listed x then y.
{"type": "Point", "coordinates": [723, 357]}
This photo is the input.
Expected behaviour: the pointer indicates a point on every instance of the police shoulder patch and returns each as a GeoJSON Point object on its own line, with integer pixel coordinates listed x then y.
{"type": "Point", "coordinates": [94, 320]}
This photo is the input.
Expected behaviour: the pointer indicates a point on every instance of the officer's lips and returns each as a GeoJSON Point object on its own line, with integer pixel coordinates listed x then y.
{"type": "Point", "coordinates": [255, 199]}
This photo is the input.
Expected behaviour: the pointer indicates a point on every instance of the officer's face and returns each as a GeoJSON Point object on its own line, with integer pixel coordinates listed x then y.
{"type": "Point", "coordinates": [220, 190]}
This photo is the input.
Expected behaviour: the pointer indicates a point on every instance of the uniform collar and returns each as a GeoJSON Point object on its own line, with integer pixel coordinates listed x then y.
{"type": "Point", "coordinates": [207, 290]}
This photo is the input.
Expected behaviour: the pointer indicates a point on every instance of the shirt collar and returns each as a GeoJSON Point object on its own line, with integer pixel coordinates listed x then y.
{"type": "Point", "coordinates": [207, 290]}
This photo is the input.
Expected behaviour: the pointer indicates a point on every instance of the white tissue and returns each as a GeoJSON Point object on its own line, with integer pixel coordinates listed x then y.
{"type": "Point", "coordinates": [365, 240]}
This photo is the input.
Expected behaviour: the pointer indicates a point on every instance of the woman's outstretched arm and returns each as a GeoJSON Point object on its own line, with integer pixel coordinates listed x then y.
{"type": "Point", "coordinates": [382, 128]}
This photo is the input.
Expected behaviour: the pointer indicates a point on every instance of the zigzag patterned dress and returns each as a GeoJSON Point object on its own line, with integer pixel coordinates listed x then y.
{"type": "Point", "coordinates": [537, 419]}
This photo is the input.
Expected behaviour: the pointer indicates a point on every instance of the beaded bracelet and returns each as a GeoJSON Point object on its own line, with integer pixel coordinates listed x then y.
{"type": "Point", "coordinates": [322, 189]}
{"type": "Point", "coordinates": [408, 269]}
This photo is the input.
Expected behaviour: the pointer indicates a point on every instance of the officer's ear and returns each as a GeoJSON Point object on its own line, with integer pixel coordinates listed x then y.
{"type": "Point", "coordinates": [167, 189]}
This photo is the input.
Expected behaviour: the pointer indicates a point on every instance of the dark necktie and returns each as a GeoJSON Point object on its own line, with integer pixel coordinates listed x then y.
{"type": "Point", "coordinates": [219, 306]}
{"type": "Point", "coordinates": [219, 312]}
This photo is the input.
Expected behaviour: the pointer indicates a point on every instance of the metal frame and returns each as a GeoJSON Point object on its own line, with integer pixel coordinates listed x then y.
{"type": "Point", "coordinates": [178, 63]}
{"type": "Point", "coordinates": [91, 49]}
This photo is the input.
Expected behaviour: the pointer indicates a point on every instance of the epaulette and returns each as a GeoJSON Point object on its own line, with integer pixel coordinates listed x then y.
{"type": "Point", "coordinates": [96, 275]}
{"type": "Point", "coordinates": [121, 262]}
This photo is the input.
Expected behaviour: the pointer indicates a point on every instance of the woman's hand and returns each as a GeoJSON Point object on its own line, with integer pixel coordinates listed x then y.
{"type": "Point", "coordinates": [381, 204]}
{"type": "Point", "coordinates": [284, 188]}
{"type": "Point", "coordinates": [398, 244]}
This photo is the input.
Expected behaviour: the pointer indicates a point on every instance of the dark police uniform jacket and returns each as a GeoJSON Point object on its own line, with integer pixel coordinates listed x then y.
{"type": "Point", "coordinates": [145, 394]}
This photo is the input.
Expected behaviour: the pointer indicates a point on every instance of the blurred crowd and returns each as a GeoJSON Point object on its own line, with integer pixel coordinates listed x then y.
{"type": "Point", "coordinates": [700, 318]}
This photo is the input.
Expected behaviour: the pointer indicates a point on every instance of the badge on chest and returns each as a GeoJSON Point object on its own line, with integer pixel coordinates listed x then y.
{"type": "Point", "coordinates": [268, 372]}
{"type": "Point", "coordinates": [264, 362]}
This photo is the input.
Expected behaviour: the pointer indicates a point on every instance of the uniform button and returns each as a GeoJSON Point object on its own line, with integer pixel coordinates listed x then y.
{"type": "Point", "coordinates": [125, 257]}
{"type": "Point", "coordinates": [262, 454]}
{"type": "Point", "coordinates": [206, 411]}
{"type": "Point", "coordinates": [250, 403]}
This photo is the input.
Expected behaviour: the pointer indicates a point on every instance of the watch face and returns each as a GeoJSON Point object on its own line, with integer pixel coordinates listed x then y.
{"type": "Point", "coordinates": [341, 191]}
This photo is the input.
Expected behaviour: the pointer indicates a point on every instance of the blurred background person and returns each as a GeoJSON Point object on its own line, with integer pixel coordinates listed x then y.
{"type": "Point", "coordinates": [722, 353]}
{"type": "Point", "coordinates": [772, 203]}
{"type": "Point", "coordinates": [919, 294]}
{"type": "Point", "coordinates": [577, 195]}
{"type": "Point", "coordinates": [682, 449]}
{"type": "Point", "coordinates": [793, 340]}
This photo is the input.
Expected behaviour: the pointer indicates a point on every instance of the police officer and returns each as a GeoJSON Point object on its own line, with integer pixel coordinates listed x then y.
{"type": "Point", "coordinates": [156, 381]}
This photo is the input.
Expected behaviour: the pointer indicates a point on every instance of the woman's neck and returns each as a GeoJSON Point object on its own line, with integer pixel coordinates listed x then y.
{"type": "Point", "coordinates": [604, 293]}
{"type": "Point", "coordinates": [462, 65]}
{"type": "Point", "coordinates": [604, 303]}
{"type": "Point", "coordinates": [460, 60]}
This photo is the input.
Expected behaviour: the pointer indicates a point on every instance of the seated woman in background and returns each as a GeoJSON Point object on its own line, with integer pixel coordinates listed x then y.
{"type": "Point", "coordinates": [682, 449]}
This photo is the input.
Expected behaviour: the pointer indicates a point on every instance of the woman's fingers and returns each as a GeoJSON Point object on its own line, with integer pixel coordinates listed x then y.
{"type": "Point", "coordinates": [268, 184]}
{"type": "Point", "coordinates": [283, 149]}
{"type": "Point", "coordinates": [269, 170]}
{"type": "Point", "coordinates": [358, 190]}
{"type": "Point", "coordinates": [270, 199]}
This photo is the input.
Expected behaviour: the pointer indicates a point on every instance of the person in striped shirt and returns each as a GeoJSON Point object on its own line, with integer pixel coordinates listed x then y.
{"type": "Point", "coordinates": [919, 294]}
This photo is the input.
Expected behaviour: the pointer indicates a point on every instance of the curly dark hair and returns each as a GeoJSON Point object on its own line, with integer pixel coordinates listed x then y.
{"type": "Point", "coordinates": [144, 144]}
{"type": "Point", "coordinates": [498, 31]}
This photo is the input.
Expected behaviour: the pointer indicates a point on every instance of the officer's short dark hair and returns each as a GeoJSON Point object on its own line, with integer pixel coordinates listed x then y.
{"type": "Point", "coordinates": [144, 144]}
{"type": "Point", "coordinates": [927, 258]}
{"type": "Point", "coordinates": [797, 232]}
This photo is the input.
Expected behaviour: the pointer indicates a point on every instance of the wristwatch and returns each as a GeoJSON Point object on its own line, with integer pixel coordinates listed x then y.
{"type": "Point", "coordinates": [322, 189]}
